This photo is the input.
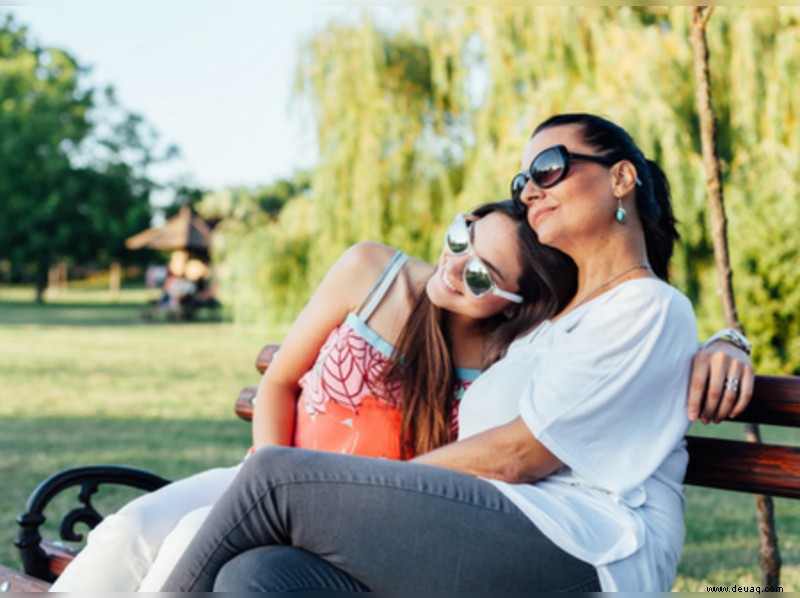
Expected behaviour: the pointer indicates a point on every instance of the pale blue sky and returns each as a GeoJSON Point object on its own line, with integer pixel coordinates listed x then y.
{"type": "Point", "coordinates": [214, 78]}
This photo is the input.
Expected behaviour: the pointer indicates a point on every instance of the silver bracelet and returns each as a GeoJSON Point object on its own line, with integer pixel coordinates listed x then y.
{"type": "Point", "coordinates": [731, 336]}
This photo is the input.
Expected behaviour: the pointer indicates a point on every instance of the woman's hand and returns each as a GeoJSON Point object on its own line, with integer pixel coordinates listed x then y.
{"type": "Point", "coordinates": [713, 396]}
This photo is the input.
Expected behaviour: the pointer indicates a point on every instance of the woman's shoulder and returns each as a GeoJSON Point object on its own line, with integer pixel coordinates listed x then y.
{"type": "Point", "coordinates": [637, 307]}
{"type": "Point", "coordinates": [651, 292]}
{"type": "Point", "coordinates": [369, 262]}
{"type": "Point", "coordinates": [643, 306]}
{"type": "Point", "coordinates": [372, 258]}
{"type": "Point", "coordinates": [419, 271]}
{"type": "Point", "coordinates": [365, 258]}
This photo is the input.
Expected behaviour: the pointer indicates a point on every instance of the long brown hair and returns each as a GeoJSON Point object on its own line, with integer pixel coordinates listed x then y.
{"type": "Point", "coordinates": [422, 363]}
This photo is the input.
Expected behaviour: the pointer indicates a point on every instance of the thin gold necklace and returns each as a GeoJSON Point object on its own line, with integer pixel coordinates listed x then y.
{"type": "Point", "coordinates": [608, 282]}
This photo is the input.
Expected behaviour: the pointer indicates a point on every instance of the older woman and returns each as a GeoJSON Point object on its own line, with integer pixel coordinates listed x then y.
{"type": "Point", "coordinates": [568, 471]}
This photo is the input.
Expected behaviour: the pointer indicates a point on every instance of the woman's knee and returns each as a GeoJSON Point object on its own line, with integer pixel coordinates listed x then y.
{"type": "Point", "coordinates": [278, 462]}
{"type": "Point", "coordinates": [282, 569]}
{"type": "Point", "coordinates": [120, 528]}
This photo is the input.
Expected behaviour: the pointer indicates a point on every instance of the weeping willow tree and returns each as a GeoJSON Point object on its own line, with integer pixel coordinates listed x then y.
{"type": "Point", "coordinates": [762, 110]}
{"type": "Point", "coordinates": [385, 173]}
{"type": "Point", "coordinates": [387, 113]}
{"type": "Point", "coordinates": [419, 120]}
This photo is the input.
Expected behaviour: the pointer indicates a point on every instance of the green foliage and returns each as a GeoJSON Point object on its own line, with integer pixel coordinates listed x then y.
{"type": "Point", "coordinates": [184, 196]}
{"type": "Point", "coordinates": [759, 90]}
{"type": "Point", "coordinates": [417, 122]}
{"type": "Point", "coordinates": [259, 263]}
{"type": "Point", "coordinates": [73, 165]}
{"type": "Point", "coordinates": [241, 203]}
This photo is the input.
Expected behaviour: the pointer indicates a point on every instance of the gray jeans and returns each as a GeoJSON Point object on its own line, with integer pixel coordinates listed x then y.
{"type": "Point", "coordinates": [370, 523]}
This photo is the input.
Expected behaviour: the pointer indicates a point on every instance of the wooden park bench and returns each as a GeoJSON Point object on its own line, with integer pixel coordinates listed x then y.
{"type": "Point", "coordinates": [713, 463]}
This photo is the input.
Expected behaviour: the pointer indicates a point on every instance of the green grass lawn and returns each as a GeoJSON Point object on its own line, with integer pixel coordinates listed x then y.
{"type": "Point", "coordinates": [721, 546]}
{"type": "Point", "coordinates": [83, 381]}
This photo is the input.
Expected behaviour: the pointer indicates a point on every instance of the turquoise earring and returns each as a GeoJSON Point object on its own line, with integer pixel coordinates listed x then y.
{"type": "Point", "coordinates": [620, 214]}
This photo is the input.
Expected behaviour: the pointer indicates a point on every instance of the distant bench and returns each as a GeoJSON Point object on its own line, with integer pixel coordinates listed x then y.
{"type": "Point", "coordinates": [713, 463]}
{"type": "Point", "coordinates": [188, 309]}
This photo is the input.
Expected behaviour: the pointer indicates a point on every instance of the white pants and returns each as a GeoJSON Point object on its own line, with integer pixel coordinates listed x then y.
{"type": "Point", "coordinates": [137, 547]}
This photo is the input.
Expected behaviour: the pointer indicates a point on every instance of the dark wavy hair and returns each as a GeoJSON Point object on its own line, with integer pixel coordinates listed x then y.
{"type": "Point", "coordinates": [652, 196]}
{"type": "Point", "coordinates": [422, 363]}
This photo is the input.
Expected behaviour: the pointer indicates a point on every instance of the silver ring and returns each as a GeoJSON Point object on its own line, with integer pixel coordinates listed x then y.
{"type": "Point", "coordinates": [732, 384]}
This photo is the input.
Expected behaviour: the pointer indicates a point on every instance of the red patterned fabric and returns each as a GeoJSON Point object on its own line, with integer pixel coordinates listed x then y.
{"type": "Point", "coordinates": [344, 408]}
{"type": "Point", "coordinates": [340, 409]}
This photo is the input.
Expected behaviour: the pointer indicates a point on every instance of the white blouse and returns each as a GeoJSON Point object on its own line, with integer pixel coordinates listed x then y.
{"type": "Point", "coordinates": [604, 389]}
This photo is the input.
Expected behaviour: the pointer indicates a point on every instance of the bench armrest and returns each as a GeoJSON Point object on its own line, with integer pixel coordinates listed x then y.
{"type": "Point", "coordinates": [34, 559]}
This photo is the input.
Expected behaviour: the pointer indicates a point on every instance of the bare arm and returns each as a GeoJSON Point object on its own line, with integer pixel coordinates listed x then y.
{"type": "Point", "coordinates": [343, 287]}
{"type": "Point", "coordinates": [509, 453]}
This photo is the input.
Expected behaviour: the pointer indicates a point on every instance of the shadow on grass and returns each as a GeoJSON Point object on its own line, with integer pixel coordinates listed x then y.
{"type": "Point", "coordinates": [69, 314]}
{"type": "Point", "coordinates": [81, 314]}
{"type": "Point", "coordinates": [35, 448]}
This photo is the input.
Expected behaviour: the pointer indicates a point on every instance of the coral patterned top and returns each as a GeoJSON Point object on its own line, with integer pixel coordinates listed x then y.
{"type": "Point", "coordinates": [341, 407]}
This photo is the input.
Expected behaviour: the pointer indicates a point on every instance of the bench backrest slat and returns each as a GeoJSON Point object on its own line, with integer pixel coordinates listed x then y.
{"type": "Point", "coordinates": [713, 463]}
{"type": "Point", "coordinates": [747, 467]}
{"type": "Point", "coordinates": [265, 357]}
{"type": "Point", "coordinates": [776, 401]}
{"type": "Point", "coordinates": [245, 403]}
{"type": "Point", "coordinates": [743, 466]}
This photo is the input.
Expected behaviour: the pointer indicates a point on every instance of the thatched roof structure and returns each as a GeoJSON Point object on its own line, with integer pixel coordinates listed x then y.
{"type": "Point", "coordinates": [186, 230]}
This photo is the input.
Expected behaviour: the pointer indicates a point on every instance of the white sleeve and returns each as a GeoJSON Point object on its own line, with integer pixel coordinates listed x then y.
{"type": "Point", "coordinates": [609, 398]}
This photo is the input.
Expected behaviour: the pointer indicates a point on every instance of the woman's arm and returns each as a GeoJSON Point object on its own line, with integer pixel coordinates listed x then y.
{"type": "Point", "coordinates": [509, 453]}
{"type": "Point", "coordinates": [712, 365]}
{"type": "Point", "coordinates": [343, 287]}
{"type": "Point", "coordinates": [603, 394]}
{"type": "Point", "coordinates": [512, 454]}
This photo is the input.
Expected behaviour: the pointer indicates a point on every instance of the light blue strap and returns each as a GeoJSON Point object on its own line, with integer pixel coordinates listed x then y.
{"type": "Point", "coordinates": [376, 294]}
{"type": "Point", "coordinates": [395, 257]}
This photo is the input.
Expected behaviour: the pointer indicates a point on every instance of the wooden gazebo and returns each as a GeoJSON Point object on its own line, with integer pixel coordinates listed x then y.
{"type": "Point", "coordinates": [185, 231]}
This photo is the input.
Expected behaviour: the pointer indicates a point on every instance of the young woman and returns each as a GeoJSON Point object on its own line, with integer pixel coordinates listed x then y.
{"type": "Point", "coordinates": [378, 364]}
{"type": "Point", "coordinates": [568, 471]}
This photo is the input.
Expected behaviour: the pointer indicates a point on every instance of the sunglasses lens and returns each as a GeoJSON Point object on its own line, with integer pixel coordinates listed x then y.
{"type": "Point", "coordinates": [477, 278]}
{"type": "Point", "coordinates": [457, 236]}
{"type": "Point", "coordinates": [548, 168]}
{"type": "Point", "coordinates": [518, 184]}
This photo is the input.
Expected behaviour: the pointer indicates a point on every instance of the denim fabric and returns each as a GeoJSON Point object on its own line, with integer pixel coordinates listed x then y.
{"type": "Point", "coordinates": [283, 569]}
{"type": "Point", "coordinates": [389, 525]}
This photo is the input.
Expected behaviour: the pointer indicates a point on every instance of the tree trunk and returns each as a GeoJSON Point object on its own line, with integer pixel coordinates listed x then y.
{"type": "Point", "coordinates": [42, 272]}
{"type": "Point", "coordinates": [769, 554]}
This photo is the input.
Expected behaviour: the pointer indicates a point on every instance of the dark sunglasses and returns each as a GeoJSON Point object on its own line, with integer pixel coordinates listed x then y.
{"type": "Point", "coordinates": [476, 275]}
{"type": "Point", "coordinates": [550, 167]}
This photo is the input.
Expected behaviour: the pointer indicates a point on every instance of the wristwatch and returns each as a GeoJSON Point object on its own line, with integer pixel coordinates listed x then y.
{"type": "Point", "coordinates": [734, 337]}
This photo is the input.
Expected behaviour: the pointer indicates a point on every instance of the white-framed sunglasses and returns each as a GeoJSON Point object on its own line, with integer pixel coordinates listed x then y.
{"type": "Point", "coordinates": [476, 274]}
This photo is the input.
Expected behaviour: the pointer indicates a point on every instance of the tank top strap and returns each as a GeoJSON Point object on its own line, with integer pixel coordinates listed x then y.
{"type": "Point", "coordinates": [381, 286]}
